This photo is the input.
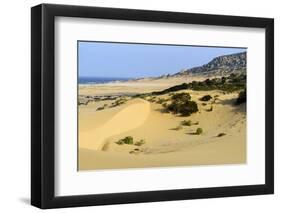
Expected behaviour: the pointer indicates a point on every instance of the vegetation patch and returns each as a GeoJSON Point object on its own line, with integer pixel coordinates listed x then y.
{"type": "Point", "coordinates": [119, 102]}
{"type": "Point", "coordinates": [129, 140]}
{"type": "Point", "coordinates": [205, 98]}
{"type": "Point", "coordinates": [242, 97]}
{"type": "Point", "coordinates": [152, 99]}
{"type": "Point", "coordinates": [199, 131]}
{"type": "Point", "coordinates": [181, 104]}
{"type": "Point", "coordinates": [231, 83]}
{"type": "Point", "coordinates": [161, 101]}
{"type": "Point", "coordinates": [186, 123]}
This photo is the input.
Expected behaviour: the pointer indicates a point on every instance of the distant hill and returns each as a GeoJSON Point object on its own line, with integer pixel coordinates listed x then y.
{"type": "Point", "coordinates": [221, 65]}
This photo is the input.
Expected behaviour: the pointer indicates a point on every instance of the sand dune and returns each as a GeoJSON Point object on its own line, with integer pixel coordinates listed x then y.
{"type": "Point", "coordinates": [164, 146]}
{"type": "Point", "coordinates": [118, 120]}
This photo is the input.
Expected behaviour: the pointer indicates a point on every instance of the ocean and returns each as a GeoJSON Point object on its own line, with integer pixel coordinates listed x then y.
{"type": "Point", "coordinates": [99, 80]}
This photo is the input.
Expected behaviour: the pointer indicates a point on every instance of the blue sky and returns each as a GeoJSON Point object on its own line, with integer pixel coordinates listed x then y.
{"type": "Point", "coordinates": [124, 60]}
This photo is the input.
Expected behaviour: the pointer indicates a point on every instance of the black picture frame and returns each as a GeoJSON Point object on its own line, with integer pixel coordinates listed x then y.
{"type": "Point", "coordinates": [43, 111]}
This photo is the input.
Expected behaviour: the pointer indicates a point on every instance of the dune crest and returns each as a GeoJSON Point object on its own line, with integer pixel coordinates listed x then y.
{"type": "Point", "coordinates": [132, 115]}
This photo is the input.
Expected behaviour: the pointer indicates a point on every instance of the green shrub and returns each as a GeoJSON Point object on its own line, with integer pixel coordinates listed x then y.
{"type": "Point", "coordinates": [199, 131]}
{"type": "Point", "coordinates": [221, 134]}
{"type": "Point", "coordinates": [181, 97]}
{"type": "Point", "coordinates": [231, 83]}
{"type": "Point", "coordinates": [242, 96]}
{"type": "Point", "coordinates": [186, 123]}
{"type": "Point", "coordinates": [182, 105]}
{"type": "Point", "coordinates": [189, 108]}
{"type": "Point", "coordinates": [161, 101]}
{"type": "Point", "coordinates": [143, 96]}
{"type": "Point", "coordinates": [119, 102]}
{"type": "Point", "coordinates": [184, 108]}
{"type": "Point", "coordinates": [127, 140]}
{"type": "Point", "coordinates": [172, 89]}
{"type": "Point", "coordinates": [205, 98]}
{"type": "Point", "coordinates": [152, 99]}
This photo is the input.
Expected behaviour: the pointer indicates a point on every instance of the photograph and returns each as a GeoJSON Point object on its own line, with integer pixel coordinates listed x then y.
{"type": "Point", "coordinates": [135, 105]}
{"type": "Point", "coordinates": [145, 105]}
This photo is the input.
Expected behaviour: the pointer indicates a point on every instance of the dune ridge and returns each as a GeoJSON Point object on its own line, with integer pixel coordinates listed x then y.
{"type": "Point", "coordinates": [131, 116]}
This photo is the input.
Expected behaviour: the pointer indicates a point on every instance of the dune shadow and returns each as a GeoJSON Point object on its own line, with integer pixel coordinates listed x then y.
{"type": "Point", "coordinates": [232, 102]}
{"type": "Point", "coordinates": [191, 133]}
{"type": "Point", "coordinates": [175, 129]}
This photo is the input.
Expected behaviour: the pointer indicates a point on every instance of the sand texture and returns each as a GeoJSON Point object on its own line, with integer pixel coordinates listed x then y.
{"type": "Point", "coordinates": [165, 141]}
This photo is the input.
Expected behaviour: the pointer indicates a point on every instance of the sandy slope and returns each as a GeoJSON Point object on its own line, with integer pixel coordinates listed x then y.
{"type": "Point", "coordinates": [165, 146]}
{"type": "Point", "coordinates": [115, 121]}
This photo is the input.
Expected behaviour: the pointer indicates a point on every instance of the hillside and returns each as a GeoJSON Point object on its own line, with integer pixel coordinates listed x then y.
{"type": "Point", "coordinates": [222, 65]}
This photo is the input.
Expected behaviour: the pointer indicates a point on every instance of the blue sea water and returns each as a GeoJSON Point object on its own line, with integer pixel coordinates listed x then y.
{"type": "Point", "coordinates": [99, 80]}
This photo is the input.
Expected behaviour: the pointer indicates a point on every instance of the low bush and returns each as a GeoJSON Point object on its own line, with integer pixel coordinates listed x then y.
{"type": "Point", "coordinates": [181, 104]}
{"type": "Point", "coordinates": [152, 99]}
{"type": "Point", "coordinates": [172, 89]}
{"type": "Point", "coordinates": [181, 97]}
{"type": "Point", "coordinates": [119, 102]}
{"type": "Point", "coordinates": [164, 105]}
{"type": "Point", "coordinates": [205, 98]}
{"type": "Point", "coordinates": [184, 108]}
{"type": "Point", "coordinates": [230, 83]}
{"type": "Point", "coordinates": [127, 140]}
{"type": "Point", "coordinates": [161, 101]}
{"type": "Point", "coordinates": [199, 131]}
{"type": "Point", "coordinates": [242, 96]}
{"type": "Point", "coordinates": [186, 123]}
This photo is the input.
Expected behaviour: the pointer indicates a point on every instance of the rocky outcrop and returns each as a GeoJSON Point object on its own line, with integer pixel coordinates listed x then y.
{"type": "Point", "coordinates": [222, 65]}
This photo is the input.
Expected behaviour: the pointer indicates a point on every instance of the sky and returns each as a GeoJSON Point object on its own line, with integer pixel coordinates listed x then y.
{"type": "Point", "coordinates": [130, 60]}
